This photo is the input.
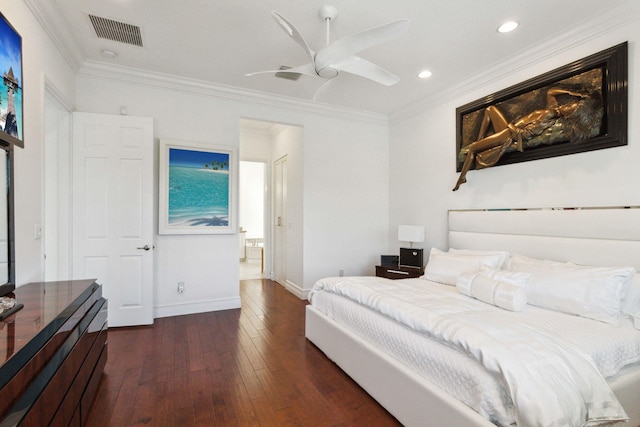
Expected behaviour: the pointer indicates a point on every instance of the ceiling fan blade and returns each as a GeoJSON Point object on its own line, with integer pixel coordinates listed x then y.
{"type": "Point", "coordinates": [354, 43]}
{"type": "Point", "coordinates": [363, 68]}
{"type": "Point", "coordinates": [322, 89]}
{"type": "Point", "coordinates": [293, 32]}
{"type": "Point", "coordinates": [306, 69]}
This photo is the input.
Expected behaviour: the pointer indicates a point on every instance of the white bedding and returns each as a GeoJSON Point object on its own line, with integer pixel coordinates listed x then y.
{"type": "Point", "coordinates": [465, 378]}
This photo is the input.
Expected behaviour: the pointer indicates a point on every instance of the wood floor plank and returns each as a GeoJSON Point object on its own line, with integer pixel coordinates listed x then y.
{"type": "Point", "coordinates": [246, 367]}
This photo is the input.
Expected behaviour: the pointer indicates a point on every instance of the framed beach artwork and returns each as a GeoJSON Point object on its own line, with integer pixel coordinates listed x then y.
{"type": "Point", "coordinates": [197, 188]}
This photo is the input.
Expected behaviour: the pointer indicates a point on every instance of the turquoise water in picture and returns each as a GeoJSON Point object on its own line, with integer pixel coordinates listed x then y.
{"type": "Point", "coordinates": [198, 188]}
{"type": "Point", "coordinates": [198, 197]}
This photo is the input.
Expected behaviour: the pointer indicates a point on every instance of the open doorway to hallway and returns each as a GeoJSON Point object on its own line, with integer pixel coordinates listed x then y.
{"type": "Point", "coordinates": [278, 188]}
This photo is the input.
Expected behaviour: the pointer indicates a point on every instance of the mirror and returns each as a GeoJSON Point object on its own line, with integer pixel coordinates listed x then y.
{"type": "Point", "coordinates": [7, 261]}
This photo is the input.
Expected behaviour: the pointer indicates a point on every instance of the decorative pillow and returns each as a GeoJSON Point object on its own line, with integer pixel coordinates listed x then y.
{"type": "Point", "coordinates": [504, 256]}
{"type": "Point", "coordinates": [514, 278]}
{"type": "Point", "coordinates": [593, 292]}
{"type": "Point", "coordinates": [492, 291]}
{"type": "Point", "coordinates": [445, 267]}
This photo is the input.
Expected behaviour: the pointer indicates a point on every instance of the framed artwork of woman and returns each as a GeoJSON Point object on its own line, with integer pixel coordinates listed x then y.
{"type": "Point", "coordinates": [579, 107]}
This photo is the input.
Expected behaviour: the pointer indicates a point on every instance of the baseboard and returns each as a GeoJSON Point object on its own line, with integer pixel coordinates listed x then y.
{"type": "Point", "coordinates": [294, 289]}
{"type": "Point", "coordinates": [181, 309]}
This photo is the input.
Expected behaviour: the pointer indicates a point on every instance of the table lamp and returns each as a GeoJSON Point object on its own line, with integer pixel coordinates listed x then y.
{"type": "Point", "coordinates": [410, 257]}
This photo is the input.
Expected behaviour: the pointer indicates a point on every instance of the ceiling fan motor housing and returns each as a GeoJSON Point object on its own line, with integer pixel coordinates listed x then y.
{"type": "Point", "coordinates": [328, 73]}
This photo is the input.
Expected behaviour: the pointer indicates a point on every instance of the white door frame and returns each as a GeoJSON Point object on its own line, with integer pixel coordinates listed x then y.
{"type": "Point", "coordinates": [56, 182]}
{"type": "Point", "coordinates": [279, 223]}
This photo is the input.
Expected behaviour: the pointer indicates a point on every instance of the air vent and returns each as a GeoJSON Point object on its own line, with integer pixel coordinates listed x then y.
{"type": "Point", "coordinates": [116, 30]}
{"type": "Point", "coordinates": [288, 76]}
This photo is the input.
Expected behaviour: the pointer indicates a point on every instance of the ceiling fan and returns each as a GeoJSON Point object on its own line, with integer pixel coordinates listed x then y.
{"type": "Point", "coordinates": [333, 58]}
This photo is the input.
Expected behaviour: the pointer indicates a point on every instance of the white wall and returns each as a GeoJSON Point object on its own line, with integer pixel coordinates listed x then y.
{"type": "Point", "coordinates": [334, 141]}
{"type": "Point", "coordinates": [42, 64]}
{"type": "Point", "coordinates": [422, 144]}
{"type": "Point", "coordinates": [345, 197]}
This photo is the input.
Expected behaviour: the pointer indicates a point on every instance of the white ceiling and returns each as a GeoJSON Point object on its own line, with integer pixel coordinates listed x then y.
{"type": "Point", "coordinates": [218, 41]}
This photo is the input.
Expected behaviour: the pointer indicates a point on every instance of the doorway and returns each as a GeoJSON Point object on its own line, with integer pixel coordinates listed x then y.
{"type": "Point", "coordinates": [269, 143]}
{"type": "Point", "coordinates": [252, 188]}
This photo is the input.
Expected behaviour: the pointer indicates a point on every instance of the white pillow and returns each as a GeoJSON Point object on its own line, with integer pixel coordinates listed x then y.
{"type": "Point", "coordinates": [592, 292]}
{"type": "Point", "coordinates": [492, 291]}
{"type": "Point", "coordinates": [504, 256]}
{"type": "Point", "coordinates": [445, 267]}
{"type": "Point", "coordinates": [522, 263]}
{"type": "Point", "coordinates": [514, 278]}
{"type": "Point", "coordinates": [631, 302]}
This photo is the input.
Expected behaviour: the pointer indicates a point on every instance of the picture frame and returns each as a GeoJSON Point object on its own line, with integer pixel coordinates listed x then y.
{"type": "Point", "coordinates": [11, 83]}
{"type": "Point", "coordinates": [604, 71]}
{"type": "Point", "coordinates": [197, 188]}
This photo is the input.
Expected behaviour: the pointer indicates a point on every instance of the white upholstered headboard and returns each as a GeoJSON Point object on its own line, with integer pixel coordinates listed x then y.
{"type": "Point", "coordinates": [591, 236]}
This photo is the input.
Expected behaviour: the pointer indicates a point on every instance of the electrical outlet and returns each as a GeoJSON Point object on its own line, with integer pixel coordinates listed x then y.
{"type": "Point", "coordinates": [180, 287]}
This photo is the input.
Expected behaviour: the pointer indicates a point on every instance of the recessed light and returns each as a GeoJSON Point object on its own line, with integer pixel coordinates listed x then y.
{"type": "Point", "coordinates": [109, 54]}
{"type": "Point", "coordinates": [424, 74]}
{"type": "Point", "coordinates": [507, 27]}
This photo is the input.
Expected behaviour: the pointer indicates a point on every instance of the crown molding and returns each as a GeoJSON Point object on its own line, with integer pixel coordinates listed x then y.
{"type": "Point", "coordinates": [586, 32]}
{"type": "Point", "coordinates": [100, 70]}
{"type": "Point", "coordinates": [57, 30]}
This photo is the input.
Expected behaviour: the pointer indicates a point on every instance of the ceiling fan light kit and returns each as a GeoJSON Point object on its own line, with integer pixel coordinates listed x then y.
{"type": "Point", "coordinates": [340, 56]}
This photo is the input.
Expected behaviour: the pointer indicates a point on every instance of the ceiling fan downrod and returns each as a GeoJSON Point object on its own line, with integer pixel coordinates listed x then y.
{"type": "Point", "coordinates": [328, 13]}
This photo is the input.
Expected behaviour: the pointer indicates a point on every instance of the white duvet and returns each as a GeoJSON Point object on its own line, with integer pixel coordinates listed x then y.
{"type": "Point", "coordinates": [551, 382]}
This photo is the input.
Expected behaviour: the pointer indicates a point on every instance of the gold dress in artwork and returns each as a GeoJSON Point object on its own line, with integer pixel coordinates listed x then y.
{"type": "Point", "coordinates": [487, 150]}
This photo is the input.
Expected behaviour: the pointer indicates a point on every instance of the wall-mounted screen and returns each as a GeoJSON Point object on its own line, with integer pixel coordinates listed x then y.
{"type": "Point", "coordinates": [11, 126]}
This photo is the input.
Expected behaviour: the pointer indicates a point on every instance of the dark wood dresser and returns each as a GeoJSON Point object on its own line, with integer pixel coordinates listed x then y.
{"type": "Point", "coordinates": [52, 354]}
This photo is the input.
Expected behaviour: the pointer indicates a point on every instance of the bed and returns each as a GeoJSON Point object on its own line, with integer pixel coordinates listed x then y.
{"type": "Point", "coordinates": [423, 395]}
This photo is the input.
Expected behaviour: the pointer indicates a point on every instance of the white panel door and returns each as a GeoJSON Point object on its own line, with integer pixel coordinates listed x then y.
{"type": "Point", "coordinates": [280, 212]}
{"type": "Point", "coordinates": [113, 212]}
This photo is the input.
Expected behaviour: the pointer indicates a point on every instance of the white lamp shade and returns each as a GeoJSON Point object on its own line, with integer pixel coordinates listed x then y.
{"type": "Point", "coordinates": [411, 233]}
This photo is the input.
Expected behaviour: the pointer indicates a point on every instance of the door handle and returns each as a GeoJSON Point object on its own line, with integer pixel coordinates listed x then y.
{"type": "Point", "coordinates": [145, 247]}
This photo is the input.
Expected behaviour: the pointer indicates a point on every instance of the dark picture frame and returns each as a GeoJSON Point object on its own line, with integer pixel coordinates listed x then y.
{"type": "Point", "coordinates": [11, 95]}
{"type": "Point", "coordinates": [605, 71]}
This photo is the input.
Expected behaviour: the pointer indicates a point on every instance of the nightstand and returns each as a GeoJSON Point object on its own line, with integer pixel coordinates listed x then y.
{"type": "Point", "coordinates": [397, 272]}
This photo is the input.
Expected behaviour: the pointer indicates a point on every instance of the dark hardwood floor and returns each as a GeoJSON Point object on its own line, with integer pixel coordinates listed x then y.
{"type": "Point", "coordinates": [246, 367]}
